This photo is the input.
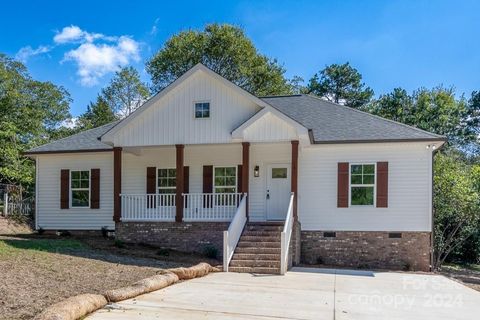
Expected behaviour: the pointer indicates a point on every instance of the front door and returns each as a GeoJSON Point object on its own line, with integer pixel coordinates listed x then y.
{"type": "Point", "coordinates": [278, 191]}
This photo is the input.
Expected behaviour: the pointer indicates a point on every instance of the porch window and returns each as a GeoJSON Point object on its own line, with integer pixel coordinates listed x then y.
{"type": "Point", "coordinates": [362, 184]}
{"type": "Point", "coordinates": [80, 189]}
{"type": "Point", "coordinates": [167, 181]}
{"type": "Point", "coordinates": [225, 180]}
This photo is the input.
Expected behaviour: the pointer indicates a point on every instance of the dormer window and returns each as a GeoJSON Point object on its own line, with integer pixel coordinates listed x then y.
{"type": "Point", "coordinates": [202, 110]}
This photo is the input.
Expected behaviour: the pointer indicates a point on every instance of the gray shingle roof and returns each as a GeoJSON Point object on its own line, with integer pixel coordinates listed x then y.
{"type": "Point", "coordinates": [328, 123]}
{"type": "Point", "coordinates": [84, 141]}
{"type": "Point", "coordinates": [333, 123]}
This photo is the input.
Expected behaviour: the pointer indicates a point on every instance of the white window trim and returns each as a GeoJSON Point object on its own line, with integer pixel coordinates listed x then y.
{"type": "Point", "coordinates": [157, 187]}
{"type": "Point", "coordinates": [236, 178]}
{"type": "Point", "coordinates": [210, 109]}
{"type": "Point", "coordinates": [374, 185]}
{"type": "Point", "coordinates": [80, 189]}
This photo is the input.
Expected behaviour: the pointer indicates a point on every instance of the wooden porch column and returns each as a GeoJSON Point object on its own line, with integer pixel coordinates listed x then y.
{"type": "Point", "coordinates": [294, 182]}
{"type": "Point", "coordinates": [117, 183]}
{"type": "Point", "coordinates": [180, 183]}
{"type": "Point", "coordinates": [245, 170]}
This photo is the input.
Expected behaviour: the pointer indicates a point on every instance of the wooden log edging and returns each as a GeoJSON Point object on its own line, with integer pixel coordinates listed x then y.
{"type": "Point", "coordinates": [79, 306]}
{"type": "Point", "coordinates": [73, 308]}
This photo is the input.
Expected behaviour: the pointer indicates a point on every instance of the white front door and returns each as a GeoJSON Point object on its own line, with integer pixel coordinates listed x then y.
{"type": "Point", "coordinates": [278, 191]}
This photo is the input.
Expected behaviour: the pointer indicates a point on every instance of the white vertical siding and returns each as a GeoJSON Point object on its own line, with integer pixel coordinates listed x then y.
{"type": "Point", "coordinates": [171, 119]}
{"type": "Point", "coordinates": [409, 202]}
{"type": "Point", "coordinates": [270, 128]}
{"type": "Point", "coordinates": [49, 214]}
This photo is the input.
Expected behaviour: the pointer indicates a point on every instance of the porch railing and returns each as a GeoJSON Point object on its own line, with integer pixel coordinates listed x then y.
{"type": "Point", "coordinates": [196, 206]}
{"type": "Point", "coordinates": [210, 206]}
{"type": "Point", "coordinates": [148, 207]}
{"type": "Point", "coordinates": [232, 235]}
{"type": "Point", "coordinates": [286, 236]}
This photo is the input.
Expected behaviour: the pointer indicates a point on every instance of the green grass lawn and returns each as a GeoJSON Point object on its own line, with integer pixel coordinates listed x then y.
{"type": "Point", "coordinates": [17, 246]}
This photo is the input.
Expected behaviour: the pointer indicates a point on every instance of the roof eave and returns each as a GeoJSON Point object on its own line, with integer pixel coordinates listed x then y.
{"type": "Point", "coordinates": [440, 139]}
{"type": "Point", "coordinates": [34, 153]}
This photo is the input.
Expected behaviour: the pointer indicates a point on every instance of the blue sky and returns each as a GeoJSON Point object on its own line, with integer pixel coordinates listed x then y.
{"type": "Point", "coordinates": [406, 44]}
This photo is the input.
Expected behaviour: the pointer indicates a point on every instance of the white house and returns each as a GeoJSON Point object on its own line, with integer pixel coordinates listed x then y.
{"type": "Point", "coordinates": [291, 176]}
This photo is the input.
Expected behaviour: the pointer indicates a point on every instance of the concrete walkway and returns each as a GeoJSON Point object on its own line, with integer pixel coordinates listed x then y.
{"type": "Point", "coordinates": [304, 293]}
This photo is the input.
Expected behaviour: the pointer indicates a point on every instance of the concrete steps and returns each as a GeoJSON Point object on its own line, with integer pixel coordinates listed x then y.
{"type": "Point", "coordinates": [258, 250]}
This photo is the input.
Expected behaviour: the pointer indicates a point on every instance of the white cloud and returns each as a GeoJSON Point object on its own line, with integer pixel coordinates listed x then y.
{"type": "Point", "coordinates": [73, 34]}
{"type": "Point", "coordinates": [69, 123]}
{"type": "Point", "coordinates": [96, 60]}
{"type": "Point", "coordinates": [154, 29]}
{"type": "Point", "coordinates": [26, 52]}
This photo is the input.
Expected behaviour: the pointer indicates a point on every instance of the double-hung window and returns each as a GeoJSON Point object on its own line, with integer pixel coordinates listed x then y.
{"type": "Point", "coordinates": [80, 189]}
{"type": "Point", "coordinates": [202, 110]}
{"type": "Point", "coordinates": [225, 180]}
{"type": "Point", "coordinates": [167, 181]}
{"type": "Point", "coordinates": [362, 184]}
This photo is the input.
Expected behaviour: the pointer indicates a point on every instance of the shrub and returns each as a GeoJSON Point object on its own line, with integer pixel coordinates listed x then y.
{"type": "Point", "coordinates": [119, 244]}
{"type": "Point", "coordinates": [210, 252]}
{"type": "Point", "coordinates": [163, 252]}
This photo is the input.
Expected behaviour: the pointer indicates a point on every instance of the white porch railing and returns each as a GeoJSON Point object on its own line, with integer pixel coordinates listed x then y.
{"type": "Point", "coordinates": [286, 236]}
{"type": "Point", "coordinates": [232, 235]}
{"type": "Point", "coordinates": [196, 206]}
{"type": "Point", "coordinates": [210, 206]}
{"type": "Point", "coordinates": [148, 207]}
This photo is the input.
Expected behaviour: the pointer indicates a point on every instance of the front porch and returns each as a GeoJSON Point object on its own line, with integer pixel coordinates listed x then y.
{"type": "Point", "coordinates": [204, 183]}
{"type": "Point", "coordinates": [190, 198]}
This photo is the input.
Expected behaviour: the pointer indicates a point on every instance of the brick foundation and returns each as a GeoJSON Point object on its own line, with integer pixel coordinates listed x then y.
{"type": "Point", "coordinates": [367, 250]}
{"type": "Point", "coordinates": [185, 236]}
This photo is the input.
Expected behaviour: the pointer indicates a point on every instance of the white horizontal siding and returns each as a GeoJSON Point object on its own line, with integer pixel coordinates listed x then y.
{"type": "Point", "coordinates": [134, 167]}
{"type": "Point", "coordinates": [409, 183]}
{"type": "Point", "coordinates": [171, 119]}
{"type": "Point", "coordinates": [49, 214]}
{"type": "Point", "coordinates": [409, 201]}
{"type": "Point", "coordinates": [270, 128]}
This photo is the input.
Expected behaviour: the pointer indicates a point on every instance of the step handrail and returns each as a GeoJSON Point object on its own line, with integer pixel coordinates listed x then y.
{"type": "Point", "coordinates": [232, 235]}
{"type": "Point", "coordinates": [286, 236]}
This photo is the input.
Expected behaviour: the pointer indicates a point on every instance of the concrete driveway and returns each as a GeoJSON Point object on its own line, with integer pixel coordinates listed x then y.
{"type": "Point", "coordinates": [304, 293]}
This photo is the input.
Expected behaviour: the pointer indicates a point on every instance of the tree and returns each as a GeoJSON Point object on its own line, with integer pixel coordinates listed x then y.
{"type": "Point", "coordinates": [126, 92]}
{"type": "Point", "coordinates": [436, 110]}
{"type": "Point", "coordinates": [30, 114]}
{"type": "Point", "coordinates": [97, 114]}
{"type": "Point", "coordinates": [340, 83]}
{"type": "Point", "coordinates": [472, 121]}
{"type": "Point", "coordinates": [226, 50]}
{"type": "Point", "coordinates": [456, 204]}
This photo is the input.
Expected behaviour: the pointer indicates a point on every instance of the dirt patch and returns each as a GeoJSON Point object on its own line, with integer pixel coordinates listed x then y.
{"type": "Point", "coordinates": [37, 271]}
{"type": "Point", "coordinates": [468, 275]}
{"type": "Point", "coordinates": [10, 226]}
